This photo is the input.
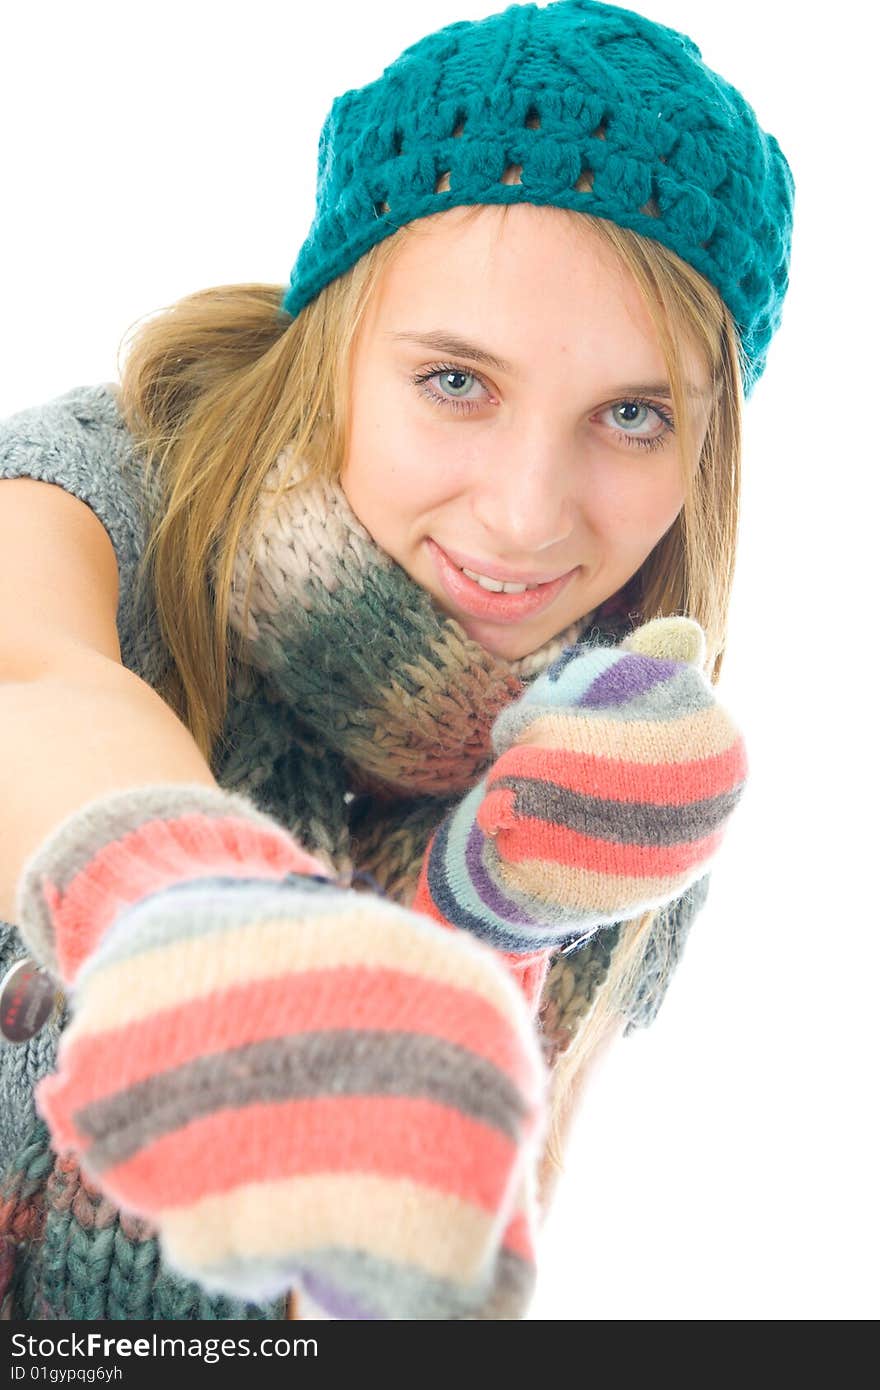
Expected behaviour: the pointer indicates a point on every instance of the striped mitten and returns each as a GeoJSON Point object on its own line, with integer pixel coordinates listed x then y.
{"type": "Point", "coordinates": [299, 1084]}
{"type": "Point", "coordinates": [616, 774]}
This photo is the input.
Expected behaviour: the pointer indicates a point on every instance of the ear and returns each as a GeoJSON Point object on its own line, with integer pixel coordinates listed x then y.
{"type": "Point", "coordinates": [674, 639]}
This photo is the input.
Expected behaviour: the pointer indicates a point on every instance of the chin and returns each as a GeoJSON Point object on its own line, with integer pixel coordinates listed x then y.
{"type": "Point", "coordinates": [509, 646]}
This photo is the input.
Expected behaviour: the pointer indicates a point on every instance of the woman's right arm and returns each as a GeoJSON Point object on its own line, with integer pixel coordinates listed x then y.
{"type": "Point", "coordinates": [74, 722]}
{"type": "Point", "coordinates": [220, 980]}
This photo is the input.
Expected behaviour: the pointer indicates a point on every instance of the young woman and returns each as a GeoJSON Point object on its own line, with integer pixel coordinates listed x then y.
{"type": "Point", "coordinates": [361, 754]}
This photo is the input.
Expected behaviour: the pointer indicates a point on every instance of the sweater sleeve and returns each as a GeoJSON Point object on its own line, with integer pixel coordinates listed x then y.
{"type": "Point", "coordinates": [574, 975]}
{"type": "Point", "coordinates": [79, 441]}
{"type": "Point", "coordinates": [664, 951]}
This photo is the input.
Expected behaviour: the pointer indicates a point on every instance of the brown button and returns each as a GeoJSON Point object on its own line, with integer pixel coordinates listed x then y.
{"type": "Point", "coordinates": [28, 998]}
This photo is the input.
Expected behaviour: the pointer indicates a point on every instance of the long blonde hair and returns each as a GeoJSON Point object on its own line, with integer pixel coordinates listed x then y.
{"type": "Point", "coordinates": [215, 385]}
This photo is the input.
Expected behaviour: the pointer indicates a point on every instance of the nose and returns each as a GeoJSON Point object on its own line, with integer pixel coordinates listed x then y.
{"type": "Point", "coordinates": [522, 498]}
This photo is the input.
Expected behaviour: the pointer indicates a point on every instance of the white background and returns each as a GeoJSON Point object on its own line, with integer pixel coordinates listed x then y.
{"type": "Point", "coordinates": [723, 1162]}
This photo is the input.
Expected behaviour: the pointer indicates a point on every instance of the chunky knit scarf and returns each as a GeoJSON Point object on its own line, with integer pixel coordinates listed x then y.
{"type": "Point", "coordinates": [360, 714]}
{"type": "Point", "coordinates": [361, 709]}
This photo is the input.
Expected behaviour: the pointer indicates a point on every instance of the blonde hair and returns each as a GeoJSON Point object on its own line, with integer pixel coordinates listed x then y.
{"type": "Point", "coordinates": [218, 383]}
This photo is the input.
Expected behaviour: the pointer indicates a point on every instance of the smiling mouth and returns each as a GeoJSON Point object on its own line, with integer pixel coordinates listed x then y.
{"type": "Point", "coordinates": [492, 576]}
{"type": "Point", "coordinates": [481, 596]}
{"type": "Point", "coordinates": [496, 586]}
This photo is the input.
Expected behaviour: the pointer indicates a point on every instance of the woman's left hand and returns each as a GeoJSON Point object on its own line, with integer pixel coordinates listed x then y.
{"type": "Point", "coordinates": [616, 774]}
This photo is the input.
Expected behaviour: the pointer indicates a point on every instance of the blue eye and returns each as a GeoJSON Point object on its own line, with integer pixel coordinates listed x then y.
{"type": "Point", "coordinates": [642, 410]}
{"type": "Point", "coordinates": [637, 406]}
{"type": "Point", "coordinates": [450, 379]}
{"type": "Point", "coordinates": [455, 383]}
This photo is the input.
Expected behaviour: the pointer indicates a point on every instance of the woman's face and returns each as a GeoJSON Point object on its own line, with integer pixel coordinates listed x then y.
{"type": "Point", "coordinates": [552, 464]}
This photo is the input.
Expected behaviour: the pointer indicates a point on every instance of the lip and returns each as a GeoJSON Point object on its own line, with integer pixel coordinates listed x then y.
{"type": "Point", "coordinates": [496, 572]}
{"type": "Point", "coordinates": [482, 603]}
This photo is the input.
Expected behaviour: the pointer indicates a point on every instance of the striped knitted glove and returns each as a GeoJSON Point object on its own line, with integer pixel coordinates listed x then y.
{"type": "Point", "coordinates": [616, 774]}
{"type": "Point", "coordinates": [298, 1084]}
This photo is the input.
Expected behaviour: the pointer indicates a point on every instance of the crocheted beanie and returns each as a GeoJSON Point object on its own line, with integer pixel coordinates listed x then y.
{"type": "Point", "coordinates": [575, 104]}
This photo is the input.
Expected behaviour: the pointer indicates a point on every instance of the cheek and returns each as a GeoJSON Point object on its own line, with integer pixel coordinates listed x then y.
{"type": "Point", "coordinates": [398, 472]}
{"type": "Point", "coordinates": [631, 501]}
{"type": "Point", "coordinates": [411, 463]}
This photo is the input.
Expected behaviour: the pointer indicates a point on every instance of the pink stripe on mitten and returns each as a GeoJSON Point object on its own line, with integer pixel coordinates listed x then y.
{"type": "Point", "coordinates": [119, 848]}
{"type": "Point", "coordinates": [616, 774]}
{"type": "Point", "coordinates": [300, 1085]}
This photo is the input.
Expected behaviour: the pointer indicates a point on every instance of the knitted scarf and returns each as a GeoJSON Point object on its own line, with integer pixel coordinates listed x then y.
{"type": "Point", "coordinates": [359, 714]}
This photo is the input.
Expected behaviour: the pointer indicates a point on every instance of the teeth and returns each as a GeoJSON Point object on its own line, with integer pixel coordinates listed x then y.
{"type": "Point", "coordinates": [495, 585]}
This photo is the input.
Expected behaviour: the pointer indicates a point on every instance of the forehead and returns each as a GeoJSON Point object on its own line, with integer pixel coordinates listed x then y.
{"type": "Point", "coordinates": [534, 284]}
{"type": "Point", "coordinates": [516, 244]}
{"type": "Point", "coordinates": [521, 279]}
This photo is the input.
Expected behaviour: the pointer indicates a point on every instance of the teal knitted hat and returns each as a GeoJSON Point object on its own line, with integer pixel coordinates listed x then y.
{"type": "Point", "coordinates": [593, 108]}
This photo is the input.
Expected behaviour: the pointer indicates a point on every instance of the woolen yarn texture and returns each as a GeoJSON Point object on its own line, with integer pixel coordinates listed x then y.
{"type": "Point", "coordinates": [65, 1250]}
{"type": "Point", "coordinates": [589, 107]}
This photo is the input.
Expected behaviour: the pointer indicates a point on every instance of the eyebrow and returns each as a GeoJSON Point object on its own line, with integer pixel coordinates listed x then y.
{"type": "Point", "coordinates": [441, 340]}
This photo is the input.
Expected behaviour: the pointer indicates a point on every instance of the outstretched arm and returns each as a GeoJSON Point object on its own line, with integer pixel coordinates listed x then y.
{"type": "Point", "coordinates": [297, 1083]}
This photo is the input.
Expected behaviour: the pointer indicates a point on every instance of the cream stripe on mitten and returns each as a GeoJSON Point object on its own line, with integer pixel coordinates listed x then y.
{"type": "Point", "coordinates": [299, 1084]}
{"type": "Point", "coordinates": [617, 772]}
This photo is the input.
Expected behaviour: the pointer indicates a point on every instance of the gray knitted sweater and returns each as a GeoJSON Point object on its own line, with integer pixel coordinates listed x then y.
{"type": "Point", "coordinates": [80, 442]}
